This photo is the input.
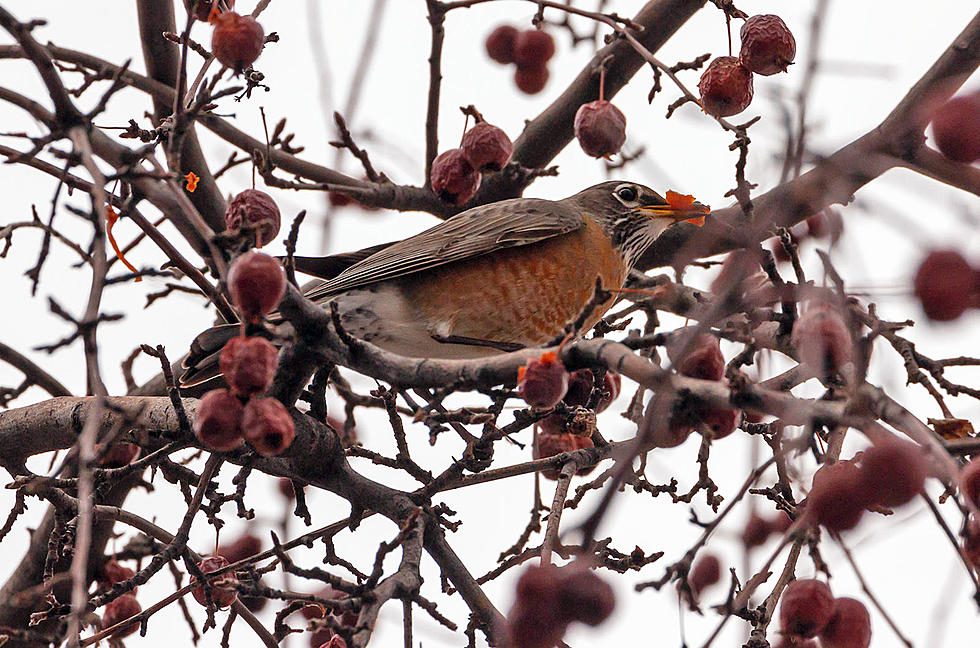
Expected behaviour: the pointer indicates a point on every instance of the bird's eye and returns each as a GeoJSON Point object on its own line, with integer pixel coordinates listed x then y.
{"type": "Point", "coordinates": [627, 194]}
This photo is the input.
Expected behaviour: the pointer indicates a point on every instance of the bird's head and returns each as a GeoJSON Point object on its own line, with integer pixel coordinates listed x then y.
{"type": "Point", "coordinates": [634, 215]}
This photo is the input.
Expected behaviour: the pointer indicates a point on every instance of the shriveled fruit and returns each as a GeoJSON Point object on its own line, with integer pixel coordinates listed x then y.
{"type": "Point", "coordinates": [838, 497]}
{"type": "Point", "coordinates": [286, 488]}
{"type": "Point", "coordinates": [583, 596]}
{"type": "Point", "coordinates": [531, 79]}
{"type": "Point", "coordinates": [971, 541]}
{"type": "Point", "coordinates": [848, 627]}
{"type": "Point", "coordinates": [827, 223]}
{"type": "Point", "coordinates": [500, 44]}
{"type": "Point", "coordinates": [535, 620]}
{"type": "Point", "coordinates": [768, 46]}
{"type": "Point", "coordinates": [701, 358]}
{"type": "Point", "coordinates": [267, 425]}
{"type": "Point", "coordinates": [244, 547]}
{"type": "Point", "coordinates": [256, 283]}
{"type": "Point", "coordinates": [705, 572]}
{"type": "Point", "coordinates": [256, 210]}
{"type": "Point", "coordinates": [970, 481]}
{"type": "Point", "coordinates": [945, 285]}
{"type": "Point", "coordinates": [533, 48]}
{"type": "Point", "coordinates": [600, 128]}
{"type": "Point", "coordinates": [218, 421]}
{"type": "Point", "coordinates": [549, 445]}
{"type": "Point", "coordinates": [452, 177]}
{"type": "Point", "coordinates": [118, 455]}
{"type": "Point", "coordinates": [805, 608]}
{"type": "Point", "coordinates": [822, 340]}
{"type": "Point", "coordinates": [894, 472]}
{"type": "Point", "coordinates": [720, 422]}
{"type": "Point", "coordinates": [486, 147]}
{"type": "Point", "coordinates": [580, 386]}
{"type": "Point", "coordinates": [113, 572]}
{"type": "Point", "coordinates": [725, 87]}
{"type": "Point", "coordinates": [237, 40]}
{"type": "Point", "coordinates": [120, 609]}
{"type": "Point", "coordinates": [956, 127]}
{"type": "Point", "coordinates": [756, 531]}
{"type": "Point", "coordinates": [543, 381]}
{"type": "Point", "coordinates": [248, 364]}
{"type": "Point", "coordinates": [223, 587]}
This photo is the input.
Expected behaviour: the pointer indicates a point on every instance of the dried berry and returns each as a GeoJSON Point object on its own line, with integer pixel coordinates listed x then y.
{"type": "Point", "coordinates": [237, 40]}
{"type": "Point", "coordinates": [705, 573]}
{"type": "Point", "coordinates": [549, 445]}
{"type": "Point", "coordinates": [543, 381]}
{"type": "Point", "coordinates": [848, 627]}
{"type": "Point", "coordinates": [971, 541]}
{"type": "Point", "coordinates": [255, 210]}
{"type": "Point", "coordinates": [970, 481]}
{"type": "Point", "coordinates": [347, 618]}
{"type": "Point", "coordinates": [533, 48]}
{"type": "Point", "coordinates": [945, 285]}
{"type": "Point", "coordinates": [703, 358]}
{"type": "Point", "coordinates": [267, 425]}
{"type": "Point", "coordinates": [486, 147]}
{"type": "Point", "coordinates": [768, 45]}
{"type": "Point", "coordinates": [583, 596]}
{"type": "Point", "coordinates": [956, 127]}
{"type": "Point", "coordinates": [726, 87]}
{"type": "Point", "coordinates": [805, 608]}
{"type": "Point", "coordinates": [838, 497]}
{"type": "Point", "coordinates": [720, 422]}
{"type": "Point", "coordinates": [894, 472]}
{"type": "Point", "coordinates": [580, 385]}
{"type": "Point", "coordinates": [120, 609]}
{"type": "Point", "coordinates": [218, 421]}
{"type": "Point", "coordinates": [223, 587]}
{"type": "Point", "coordinates": [531, 79]}
{"type": "Point", "coordinates": [822, 340]}
{"type": "Point", "coordinates": [500, 44]}
{"type": "Point", "coordinates": [256, 283]}
{"type": "Point", "coordinates": [245, 547]}
{"type": "Point", "coordinates": [113, 572]}
{"type": "Point", "coordinates": [600, 128]}
{"type": "Point", "coordinates": [338, 199]}
{"type": "Point", "coordinates": [248, 364]}
{"type": "Point", "coordinates": [535, 620]}
{"type": "Point", "coordinates": [827, 223]}
{"type": "Point", "coordinates": [756, 531]}
{"type": "Point", "coordinates": [452, 177]}
{"type": "Point", "coordinates": [118, 455]}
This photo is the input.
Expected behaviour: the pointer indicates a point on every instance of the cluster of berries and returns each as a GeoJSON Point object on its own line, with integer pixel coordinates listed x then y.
{"type": "Point", "coordinates": [246, 546]}
{"type": "Point", "coordinates": [768, 47]}
{"type": "Point", "coordinates": [529, 50]}
{"type": "Point", "coordinates": [322, 635]}
{"type": "Point", "coordinates": [947, 285]}
{"type": "Point", "coordinates": [550, 597]}
{"type": "Point", "coordinates": [808, 609]}
{"type": "Point", "coordinates": [236, 40]}
{"type": "Point", "coordinates": [122, 608]}
{"type": "Point", "coordinates": [455, 174]}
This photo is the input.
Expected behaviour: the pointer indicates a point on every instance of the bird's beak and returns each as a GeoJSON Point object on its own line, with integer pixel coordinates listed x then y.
{"type": "Point", "coordinates": [680, 208]}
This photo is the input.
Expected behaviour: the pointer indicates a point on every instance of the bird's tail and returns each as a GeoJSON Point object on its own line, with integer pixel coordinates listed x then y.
{"type": "Point", "coordinates": [201, 364]}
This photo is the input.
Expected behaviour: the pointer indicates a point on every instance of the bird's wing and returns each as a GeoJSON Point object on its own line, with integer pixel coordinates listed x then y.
{"type": "Point", "coordinates": [477, 231]}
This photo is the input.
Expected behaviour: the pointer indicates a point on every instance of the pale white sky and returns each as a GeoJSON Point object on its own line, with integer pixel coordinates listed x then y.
{"type": "Point", "coordinates": [871, 53]}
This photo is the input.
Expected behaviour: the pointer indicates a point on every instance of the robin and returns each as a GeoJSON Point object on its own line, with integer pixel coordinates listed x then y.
{"type": "Point", "coordinates": [495, 278]}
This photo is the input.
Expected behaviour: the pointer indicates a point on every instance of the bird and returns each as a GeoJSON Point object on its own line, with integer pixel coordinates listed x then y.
{"type": "Point", "coordinates": [495, 278]}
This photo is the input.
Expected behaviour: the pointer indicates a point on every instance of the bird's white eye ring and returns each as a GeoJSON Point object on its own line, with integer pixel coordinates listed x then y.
{"type": "Point", "coordinates": [627, 194]}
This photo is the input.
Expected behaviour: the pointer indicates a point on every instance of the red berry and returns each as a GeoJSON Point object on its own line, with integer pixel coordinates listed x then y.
{"type": "Point", "coordinates": [286, 488]}
{"type": "Point", "coordinates": [237, 40]}
{"type": "Point", "coordinates": [805, 608]}
{"type": "Point", "coordinates": [223, 587]}
{"type": "Point", "coordinates": [726, 87]}
{"type": "Point", "coordinates": [970, 481]}
{"type": "Point", "coordinates": [756, 531]}
{"type": "Point", "coordinates": [535, 620]}
{"type": "Point", "coordinates": [703, 358]}
{"type": "Point", "coordinates": [533, 48]}
{"type": "Point", "coordinates": [838, 497]}
{"type": "Point", "coordinates": [768, 45]}
{"type": "Point", "coordinates": [256, 210]}
{"type": "Point", "coordinates": [248, 364]}
{"type": "Point", "coordinates": [218, 421]}
{"type": "Point", "coordinates": [486, 147]}
{"type": "Point", "coordinates": [114, 573]}
{"type": "Point", "coordinates": [549, 445]}
{"type": "Point", "coordinates": [120, 609]}
{"type": "Point", "coordinates": [580, 384]}
{"type": "Point", "coordinates": [822, 340]}
{"type": "Point", "coordinates": [338, 199]}
{"type": "Point", "coordinates": [532, 79]}
{"type": "Point", "coordinates": [118, 455]}
{"type": "Point", "coordinates": [245, 547]}
{"type": "Point", "coordinates": [721, 422]}
{"type": "Point", "coordinates": [452, 177]}
{"type": "Point", "coordinates": [500, 44]}
{"type": "Point", "coordinates": [971, 541]}
{"type": "Point", "coordinates": [583, 596]}
{"type": "Point", "coordinates": [705, 573]}
{"type": "Point", "coordinates": [894, 472]}
{"type": "Point", "coordinates": [600, 128]}
{"type": "Point", "coordinates": [256, 283]}
{"type": "Point", "coordinates": [945, 285]}
{"type": "Point", "coordinates": [268, 426]}
{"type": "Point", "coordinates": [543, 381]}
{"type": "Point", "coordinates": [321, 636]}
{"type": "Point", "coordinates": [826, 223]}
{"type": "Point", "coordinates": [956, 127]}
{"type": "Point", "coordinates": [848, 627]}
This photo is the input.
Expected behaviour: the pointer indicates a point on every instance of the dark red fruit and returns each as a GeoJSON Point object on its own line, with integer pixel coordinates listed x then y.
{"type": "Point", "coordinates": [532, 79]}
{"type": "Point", "coordinates": [120, 609]}
{"type": "Point", "coordinates": [337, 199]}
{"type": "Point", "coordinates": [705, 573]}
{"type": "Point", "coordinates": [256, 210]}
{"type": "Point", "coordinates": [971, 541]}
{"type": "Point", "coordinates": [223, 587]}
{"type": "Point", "coordinates": [827, 223]}
{"type": "Point", "coordinates": [721, 422]}
{"type": "Point", "coordinates": [113, 572]}
{"type": "Point", "coordinates": [768, 45]}
{"type": "Point", "coordinates": [533, 48]}
{"type": "Point", "coordinates": [267, 425]}
{"type": "Point", "coordinates": [703, 358]}
{"type": "Point", "coordinates": [535, 620]}
{"type": "Point", "coordinates": [500, 44]}
{"type": "Point", "coordinates": [580, 384]}
{"type": "Point", "coordinates": [583, 596]}
{"type": "Point", "coordinates": [848, 627]}
{"type": "Point", "coordinates": [838, 497]}
{"type": "Point", "coordinates": [600, 128]}
{"type": "Point", "coordinates": [245, 547]}
{"type": "Point", "coordinates": [726, 87]}
{"type": "Point", "coordinates": [970, 481]}
{"type": "Point", "coordinates": [256, 283]}
{"type": "Point", "coordinates": [543, 381]}
{"type": "Point", "coordinates": [549, 445]}
{"type": "Point", "coordinates": [756, 531]}
{"type": "Point", "coordinates": [805, 608]}
{"type": "Point", "coordinates": [237, 40]}
{"type": "Point", "coordinates": [347, 618]}
{"type": "Point", "coordinates": [945, 285]}
{"type": "Point", "coordinates": [248, 364]}
{"type": "Point", "coordinates": [286, 488]}
{"type": "Point", "coordinates": [118, 455]}
{"type": "Point", "coordinates": [956, 127]}
{"type": "Point", "coordinates": [452, 177]}
{"type": "Point", "coordinates": [822, 340]}
{"type": "Point", "coordinates": [218, 421]}
{"type": "Point", "coordinates": [486, 147]}
{"type": "Point", "coordinates": [894, 472]}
